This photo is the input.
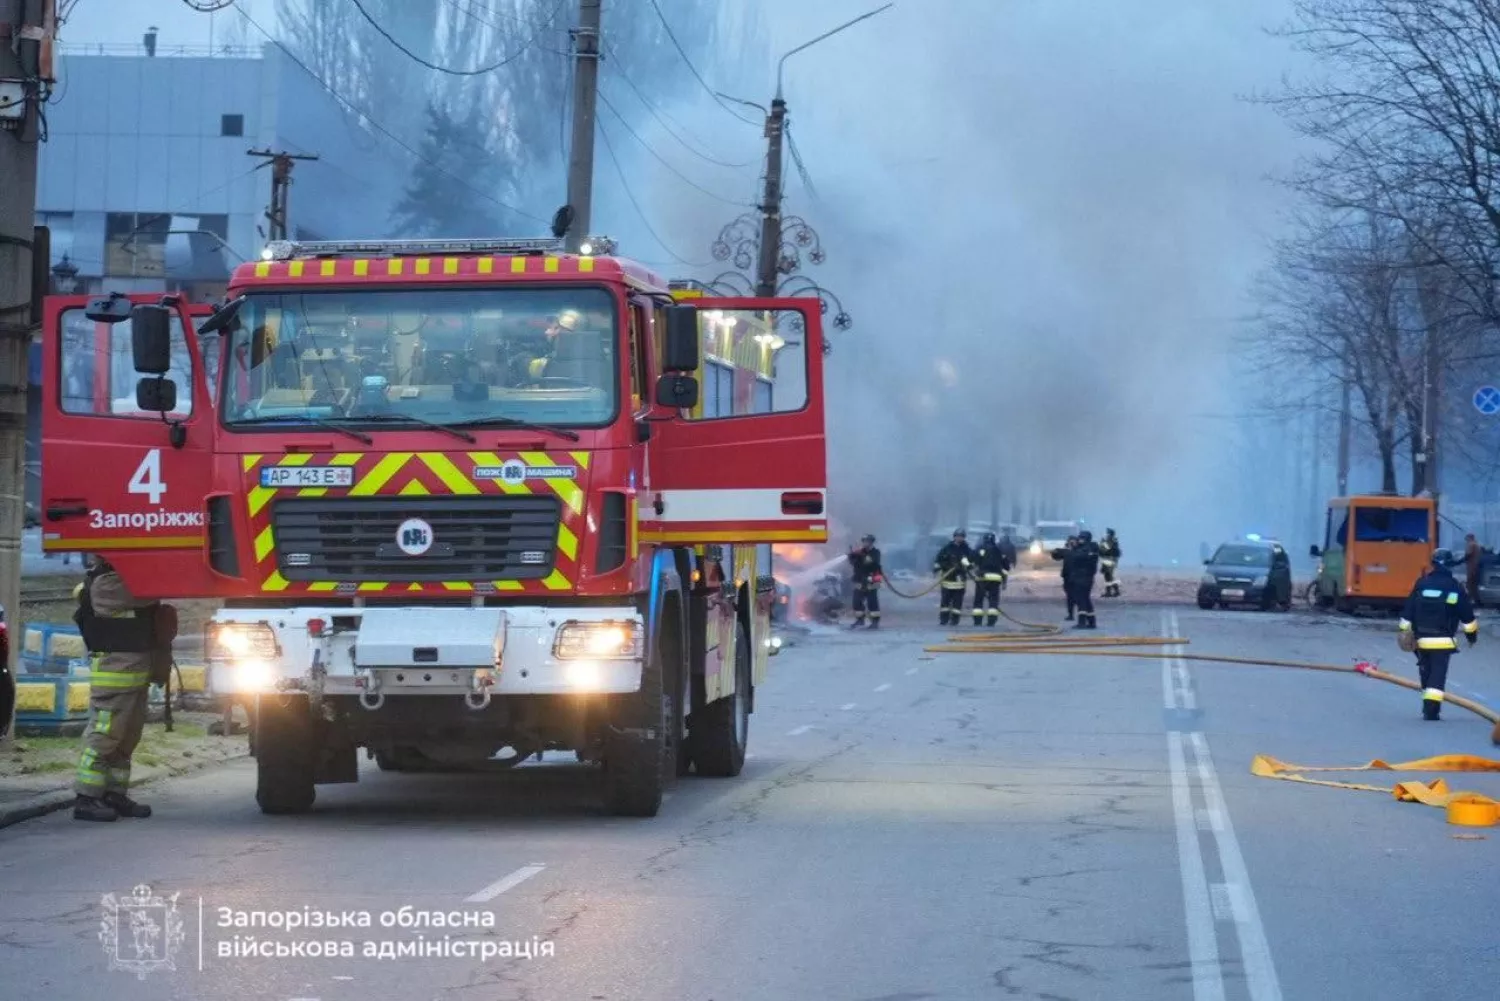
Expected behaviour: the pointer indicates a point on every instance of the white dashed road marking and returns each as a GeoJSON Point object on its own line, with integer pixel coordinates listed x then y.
{"type": "Point", "coordinates": [509, 882]}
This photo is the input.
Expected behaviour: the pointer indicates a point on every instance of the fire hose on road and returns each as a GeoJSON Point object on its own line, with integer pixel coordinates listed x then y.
{"type": "Point", "coordinates": [1463, 808]}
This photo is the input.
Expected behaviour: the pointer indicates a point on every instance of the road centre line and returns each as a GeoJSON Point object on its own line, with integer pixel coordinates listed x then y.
{"type": "Point", "coordinates": [1203, 942]}
{"type": "Point", "coordinates": [847, 706]}
{"type": "Point", "coordinates": [504, 883]}
{"type": "Point", "coordinates": [884, 687]}
{"type": "Point", "coordinates": [799, 731]}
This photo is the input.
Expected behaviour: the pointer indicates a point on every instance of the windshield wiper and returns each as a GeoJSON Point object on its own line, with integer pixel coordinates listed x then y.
{"type": "Point", "coordinates": [313, 421]}
{"type": "Point", "coordinates": [456, 430]}
{"type": "Point", "coordinates": [514, 422]}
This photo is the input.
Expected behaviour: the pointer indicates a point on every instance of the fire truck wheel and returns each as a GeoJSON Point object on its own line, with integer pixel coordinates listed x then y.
{"type": "Point", "coordinates": [723, 727]}
{"type": "Point", "coordinates": [286, 744]}
{"type": "Point", "coordinates": [636, 766]}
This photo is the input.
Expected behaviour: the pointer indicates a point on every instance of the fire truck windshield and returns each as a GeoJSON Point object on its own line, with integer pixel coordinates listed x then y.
{"type": "Point", "coordinates": [536, 355]}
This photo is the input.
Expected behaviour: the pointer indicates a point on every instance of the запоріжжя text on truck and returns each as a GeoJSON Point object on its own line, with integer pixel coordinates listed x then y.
{"type": "Point", "coordinates": [454, 497]}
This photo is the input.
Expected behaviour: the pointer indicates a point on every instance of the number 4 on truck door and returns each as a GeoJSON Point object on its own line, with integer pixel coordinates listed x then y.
{"type": "Point", "coordinates": [126, 452]}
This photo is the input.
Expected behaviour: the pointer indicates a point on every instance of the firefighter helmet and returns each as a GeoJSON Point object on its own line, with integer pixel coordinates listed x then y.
{"type": "Point", "coordinates": [1444, 558]}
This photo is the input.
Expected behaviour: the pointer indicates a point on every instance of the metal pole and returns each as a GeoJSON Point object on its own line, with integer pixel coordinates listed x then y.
{"type": "Point", "coordinates": [585, 96]}
{"type": "Point", "coordinates": [1344, 432]}
{"type": "Point", "coordinates": [21, 22]}
{"type": "Point", "coordinates": [767, 272]}
{"type": "Point", "coordinates": [281, 181]}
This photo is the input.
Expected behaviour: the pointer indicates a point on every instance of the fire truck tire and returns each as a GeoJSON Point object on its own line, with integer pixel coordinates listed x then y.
{"type": "Point", "coordinates": [286, 755]}
{"type": "Point", "coordinates": [723, 727]}
{"type": "Point", "coordinates": [636, 766]}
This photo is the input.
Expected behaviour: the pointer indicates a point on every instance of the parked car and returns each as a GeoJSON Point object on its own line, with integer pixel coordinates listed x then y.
{"type": "Point", "coordinates": [1252, 573]}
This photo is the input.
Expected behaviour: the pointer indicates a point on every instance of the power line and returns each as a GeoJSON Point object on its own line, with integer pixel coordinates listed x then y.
{"type": "Point", "coordinates": [445, 69]}
{"type": "Point", "coordinates": [660, 159]}
{"type": "Point", "coordinates": [468, 7]}
{"type": "Point", "coordinates": [662, 118]}
{"type": "Point", "coordinates": [693, 69]}
{"type": "Point", "coordinates": [625, 184]}
{"type": "Point", "coordinates": [349, 106]}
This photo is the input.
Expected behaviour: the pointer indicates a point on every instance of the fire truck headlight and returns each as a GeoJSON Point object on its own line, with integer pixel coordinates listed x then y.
{"type": "Point", "coordinates": [597, 641]}
{"type": "Point", "coordinates": [254, 676]}
{"type": "Point", "coordinates": [1036, 549]}
{"type": "Point", "coordinates": [585, 675]}
{"type": "Point", "coordinates": [236, 641]}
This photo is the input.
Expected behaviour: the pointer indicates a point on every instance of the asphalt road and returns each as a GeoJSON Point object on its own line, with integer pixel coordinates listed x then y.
{"type": "Point", "coordinates": [909, 827]}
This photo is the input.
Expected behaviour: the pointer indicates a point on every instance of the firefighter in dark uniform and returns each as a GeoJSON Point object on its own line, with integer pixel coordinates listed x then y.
{"type": "Point", "coordinates": [1109, 560]}
{"type": "Point", "coordinates": [868, 575]}
{"type": "Point", "coordinates": [1008, 550]}
{"type": "Point", "coordinates": [953, 564]}
{"type": "Point", "coordinates": [130, 647]}
{"type": "Point", "coordinates": [1080, 564]}
{"type": "Point", "coordinates": [1061, 555]}
{"type": "Point", "coordinates": [990, 568]}
{"type": "Point", "coordinates": [1437, 608]}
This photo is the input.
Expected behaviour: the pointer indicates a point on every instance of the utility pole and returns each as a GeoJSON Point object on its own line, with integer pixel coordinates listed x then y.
{"type": "Point", "coordinates": [768, 271]}
{"type": "Point", "coordinates": [281, 180]}
{"type": "Point", "coordinates": [23, 43]}
{"type": "Point", "coordinates": [585, 96]}
{"type": "Point", "coordinates": [1344, 431]}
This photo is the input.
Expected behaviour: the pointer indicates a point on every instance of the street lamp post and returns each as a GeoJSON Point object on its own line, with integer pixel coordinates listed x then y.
{"type": "Point", "coordinates": [65, 276]}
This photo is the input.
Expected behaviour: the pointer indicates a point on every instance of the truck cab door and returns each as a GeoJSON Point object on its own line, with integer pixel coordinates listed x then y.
{"type": "Point", "coordinates": [120, 481]}
{"type": "Point", "coordinates": [745, 462]}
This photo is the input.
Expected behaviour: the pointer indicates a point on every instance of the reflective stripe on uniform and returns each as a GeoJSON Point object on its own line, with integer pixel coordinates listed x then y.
{"type": "Point", "coordinates": [994, 576]}
{"type": "Point", "coordinates": [89, 775]}
{"type": "Point", "coordinates": [1452, 598]}
{"type": "Point", "coordinates": [1404, 626]}
{"type": "Point", "coordinates": [1432, 695]}
{"type": "Point", "coordinates": [119, 679]}
{"type": "Point", "coordinates": [102, 720]}
{"type": "Point", "coordinates": [1436, 643]}
{"type": "Point", "coordinates": [1471, 627]}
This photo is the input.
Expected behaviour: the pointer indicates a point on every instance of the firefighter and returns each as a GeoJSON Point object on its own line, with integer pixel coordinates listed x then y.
{"type": "Point", "coordinates": [1436, 609]}
{"type": "Point", "coordinates": [868, 575]}
{"type": "Point", "coordinates": [990, 568]}
{"type": "Point", "coordinates": [1079, 567]}
{"type": "Point", "coordinates": [1109, 559]}
{"type": "Point", "coordinates": [953, 564]}
{"type": "Point", "coordinates": [1061, 555]}
{"type": "Point", "coordinates": [1008, 550]}
{"type": "Point", "coordinates": [130, 647]}
{"type": "Point", "coordinates": [565, 322]}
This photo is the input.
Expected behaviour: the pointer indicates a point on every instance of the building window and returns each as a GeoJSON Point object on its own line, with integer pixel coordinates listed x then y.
{"type": "Point", "coordinates": [232, 125]}
{"type": "Point", "coordinates": [135, 244]}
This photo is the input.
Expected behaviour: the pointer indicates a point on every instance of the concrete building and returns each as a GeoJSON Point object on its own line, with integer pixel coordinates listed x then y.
{"type": "Point", "coordinates": [145, 181]}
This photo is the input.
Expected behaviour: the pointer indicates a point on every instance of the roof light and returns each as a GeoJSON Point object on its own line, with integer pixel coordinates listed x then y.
{"type": "Point", "coordinates": [281, 250]}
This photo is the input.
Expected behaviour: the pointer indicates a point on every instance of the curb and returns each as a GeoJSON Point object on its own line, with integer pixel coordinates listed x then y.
{"type": "Point", "coordinates": [49, 802]}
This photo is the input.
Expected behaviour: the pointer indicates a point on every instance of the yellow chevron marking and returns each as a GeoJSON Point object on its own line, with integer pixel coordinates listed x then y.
{"type": "Point", "coordinates": [380, 475]}
{"type": "Point", "coordinates": [556, 581]}
{"type": "Point", "coordinates": [568, 490]}
{"type": "Point", "coordinates": [634, 528]}
{"type": "Point", "coordinates": [294, 269]}
{"type": "Point", "coordinates": [550, 265]}
{"type": "Point", "coordinates": [329, 269]}
{"type": "Point", "coordinates": [458, 585]}
{"type": "Point", "coordinates": [585, 264]}
{"type": "Point", "coordinates": [346, 458]}
{"type": "Point", "coordinates": [264, 543]}
{"type": "Point", "coordinates": [509, 585]}
{"type": "Point", "coordinates": [486, 265]}
{"type": "Point", "coordinates": [295, 459]}
{"type": "Point", "coordinates": [259, 497]}
{"type": "Point", "coordinates": [274, 582]}
{"type": "Point", "coordinates": [361, 268]}
{"type": "Point", "coordinates": [312, 492]}
{"type": "Point", "coordinates": [491, 459]}
{"type": "Point", "coordinates": [567, 541]}
{"type": "Point", "coordinates": [424, 266]}
{"type": "Point", "coordinates": [374, 585]}
{"type": "Point", "coordinates": [393, 266]}
{"type": "Point", "coordinates": [446, 471]}
{"type": "Point", "coordinates": [249, 461]}
{"type": "Point", "coordinates": [450, 265]}
{"type": "Point", "coordinates": [323, 585]}
{"type": "Point", "coordinates": [414, 587]}
{"type": "Point", "coordinates": [582, 458]}
{"type": "Point", "coordinates": [518, 265]}
{"type": "Point", "coordinates": [414, 489]}
{"type": "Point", "coordinates": [262, 269]}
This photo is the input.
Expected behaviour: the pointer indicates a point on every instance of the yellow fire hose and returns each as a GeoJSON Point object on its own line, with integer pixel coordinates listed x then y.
{"type": "Point", "coordinates": [1470, 809]}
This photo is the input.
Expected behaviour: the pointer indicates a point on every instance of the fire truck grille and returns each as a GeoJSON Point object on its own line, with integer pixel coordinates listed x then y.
{"type": "Point", "coordinates": [416, 538]}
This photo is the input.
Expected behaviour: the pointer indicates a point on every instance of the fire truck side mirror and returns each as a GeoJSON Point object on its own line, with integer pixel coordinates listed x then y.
{"type": "Point", "coordinates": [678, 392]}
{"type": "Point", "coordinates": [680, 345]}
{"type": "Point", "coordinates": [156, 395]}
{"type": "Point", "coordinates": [112, 308]}
{"type": "Point", "coordinates": [151, 339]}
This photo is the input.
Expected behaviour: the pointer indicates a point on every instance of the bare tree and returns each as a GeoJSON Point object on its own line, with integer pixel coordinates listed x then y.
{"type": "Point", "coordinates": [1408, 122]}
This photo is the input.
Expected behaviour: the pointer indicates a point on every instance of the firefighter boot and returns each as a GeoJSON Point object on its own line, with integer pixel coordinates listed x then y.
{"type": "Point", "coordinates": [125, 806]}
{"type": "Point", "coordinates": [874, 620]}
{"type": "Point", "coordinates": [859, 620]}
{"type": "Point", "coordinates": [994, 618]}
{"type": "Point", "coordinates": [89, 808]}
{"type": "Point", "coordinates": [978, 617]}
{"type": "Point", "coordinates": [1432, 710]}
{"type": "Point", "coordinates": [1093, 621]}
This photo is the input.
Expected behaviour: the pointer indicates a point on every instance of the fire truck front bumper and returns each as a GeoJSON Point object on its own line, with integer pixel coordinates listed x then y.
{"type": "Point", "coordinates": [473, 653]}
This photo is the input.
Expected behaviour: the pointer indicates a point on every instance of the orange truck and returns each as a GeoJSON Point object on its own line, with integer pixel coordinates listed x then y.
{"type": "Point", "coordinates": [1375, 548]}
{"type": "Point", "coordinates": [462, 502]}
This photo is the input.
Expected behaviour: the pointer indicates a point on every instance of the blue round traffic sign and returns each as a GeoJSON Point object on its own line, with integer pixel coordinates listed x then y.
{"type": "Point", "coordinates": [1487, 400]}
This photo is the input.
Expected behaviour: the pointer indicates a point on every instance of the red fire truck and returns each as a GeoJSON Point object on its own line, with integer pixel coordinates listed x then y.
{"type": "Point", "coordinates": [457, 498]}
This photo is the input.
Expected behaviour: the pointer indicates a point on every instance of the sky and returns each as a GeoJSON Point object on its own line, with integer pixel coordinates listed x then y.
{"type": "Point", "coordinates": [1045, 217]}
